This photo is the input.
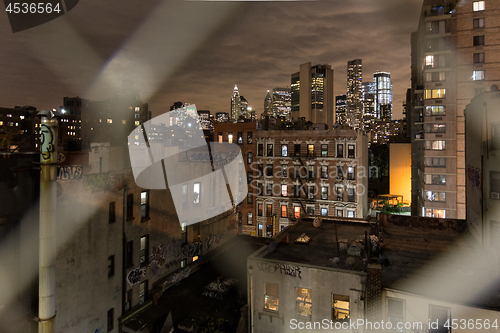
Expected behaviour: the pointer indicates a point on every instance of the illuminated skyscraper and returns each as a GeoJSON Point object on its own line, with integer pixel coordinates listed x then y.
{"type": "Point", "coordinates": [312, 94]}
{"type": "Point", "coordinates": [282, 103]}
{"type": "Point", "coordinates": [235, 104]}
{"type": "Point", "coordinates": [354, 93]}
{"type": "Point", "coordinates": [383, 94]}
{"type": "Point", "coordinates": [341, 109]}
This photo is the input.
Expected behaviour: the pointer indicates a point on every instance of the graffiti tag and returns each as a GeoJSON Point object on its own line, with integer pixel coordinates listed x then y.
{"type": "Point", "coordinates": [135, 276]}
{"type": "Point", "coordinates": [176, 277]}
{"type": "Point", "coordinates": [289, 270]}
{"type": "Point", "coordinates": [104, 182]}
{"type": "Point", "coordinates": [213, 240]}
{"type": "Point", "coordinates": [70, 172]}
{"type": "Point", "coordinates": [47, 142]}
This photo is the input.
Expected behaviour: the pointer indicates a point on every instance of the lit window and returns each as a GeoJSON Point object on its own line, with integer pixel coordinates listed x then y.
{"type": "Point", "coordinates": [269, 150]}
{"type": "Point", "coordinates": [324, 193]}
{"type": "Point", "coordinates": [435, 93]}
{"type": "Point", "coordinates": [478, 5]}
{"type": "Point", "coordinates": [137, 109]}
{"type": "Point", "coordinates": [340, 194]}
{"type": "Point", "coordinates": [350, 173]}
{"type": "Point", "coordinates": [240, 138]}
{"type": "Point", "coordinates": [284, 190]}
{"type": "Point", "coordinates": [269, 210]}
{"type": "Point", "coordinates": [124, 122]}
{"type": "Point", "coordinates": [259, 209]}
{"type": "Point", "coordinates": [429, 60]}
{"type": "Point", "coordinates": [435, 196]}
{"type": "Point", "coordinates": [196, 193]}
{"type": "Point", "coordinates": [310, 150]}
{"type": "Point", "coordinates": [144, 249]}
{"type": "Point", "coordinates": [324, 171]}
{"type": "Point", "coordinates": [137, 123]}
{"type": "Point", "coordinates": [304, 303]}
{"type": "Point", "coordinates": [144, 205]}
{"type": "Point", "coordinates": [143, 292]}
{"type": "Point", "coordinates": [437, 110]}
{"type": "Point", "coordinates": [249, 219]}
{"type": "Point", "coordinates": [21, 117]}
{"type": "Point", "coordinates": [340, 308]}
{"type": "Point", "coordinates": [340, 213]}
{"type": "Point", "coordinates": [249, 157]}
{"type": "Point", "coordinates": [249, 137]}
{"type": "Point", "coordinates": [230, 138]}
{"type": "Point", "coordinates": [110, 121]}
{"type": "Point", "coordinates": [324, 150]}
{"type": "Point", "coordinates": [284, 150]}
{"type": "Point", "coordinates": [284, 212]}
{"type": "Point", "coordinates": [296, 211]}
{"type": "Point", "coordinates": [271, 296]}
{"type": "Point", "coordinates": [435, 145]}
{"type": "Point", "coordinates": [350, 213]}
{"type": "Point", "coordinates": [220, 137]}
{"type": "Point", "coordinates": [478, 75]}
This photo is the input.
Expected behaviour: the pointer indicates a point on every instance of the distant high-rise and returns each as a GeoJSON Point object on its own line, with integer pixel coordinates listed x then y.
{"type": "Point", "coordinates": [383, 95]}
{"type": "Point", "coordinates": [282, 103]}
{"type": "Point", "coordinates": [354, 93]}
{"type": "Point", "coordinates": [341, 109]}
{"type": "Point", "coordinates": [244, 106]}
{"type": "Point", "coordinates": [235, 104]}
{"type": "Point", "coordinates": [268, 105]}
{"type": "Point", "coordinates": [312, 94]}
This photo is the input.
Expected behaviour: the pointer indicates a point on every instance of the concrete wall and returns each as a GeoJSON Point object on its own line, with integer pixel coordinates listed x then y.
{"type": "Point", "coordinates": [322, 281]}
{"type": "Point", "coordinates": [400, 170]}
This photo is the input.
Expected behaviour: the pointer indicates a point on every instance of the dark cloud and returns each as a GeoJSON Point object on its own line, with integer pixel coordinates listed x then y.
{"type": "Point", "coordinates": [256, 45]}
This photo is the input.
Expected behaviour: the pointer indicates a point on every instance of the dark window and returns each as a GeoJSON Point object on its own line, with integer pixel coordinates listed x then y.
{"type": "Point", "coordinates": [259, 188]}
{"type": "Point", "coordinates": [249, 137]}
{"type": "Point", "coordinates": [249, 197]}
{"type": "Point", "coordinates": [340, 194]}
{"type": "Point", "coordinates": [296, 171]}
{"type": "Point", "coordinates": [350, 151]}
{"type": "Point", "coordinates": [130, 253]}
{"type": "Point", "coordinates": [296, 191]}
{"type": "Point", "coordinates": [112, 215]}
{"type": "Point", "coordinates": [111, 266]}
{"type": "Point", "coordinates": [269, 189]}
{"type": "Point", "coordinates": [310, 171]}
{"type": "Point", "coordinates": [310, 192]}
{"type": "Point", "coordinates": [240, 138]}
{"type": "Point", "coordinates": [143, 292]}
{"type": "Point", "coordinates": [269, 150]}
{"type": "Point", "coordinates": [479, 23]}
{"type": "Point", "coordinates": [260, 167]}
{"type": "Point", "coordinates": [296, 150]}
{"type": "Point", "coordinates": [340, 150]}
{"type": "Point", "coordinates": [260, 149]}
{"type": "Point", "coordinates": [144, 250]}
{"type": "Point", "coordinates": [110, 319]}
{"type": "Point", "coordinates": [324, 171]}
{"type": "Point", "coordinates": [284, 170]}
{"type": "Point", "coordinates": [128, 300]}
{"type": "Point", "coordinates": [440, 315]}
{"type": "Point", "coordinates": [478, 58]}
{"type": "Point", "coordinates": [310, 210]}
{"type": "Point", "coordinates": [495, 137]}
{"type": "Point", "coordinates": [183, 233]}
{"type": "Point", "coordinates": [144, 205]}
{"type": "Point", "coordinates": [130, 206]}
{"type": "Point", "coordinates": [350, 194]}
{"type": "Point", "coordinates": [184, 195]}
{"type": "Point", "coordinates": [249, 177]}
{"type": "Point", "coordinates": [249, 157]}
{"type": "Point", "coordinates": [478, 40]}
{"type": "Point", "coordinates": [324, 150]}
{"type": "Point", "coordinates": [340, 172]}
{"type": "Point", "coordinates": [269, 170]}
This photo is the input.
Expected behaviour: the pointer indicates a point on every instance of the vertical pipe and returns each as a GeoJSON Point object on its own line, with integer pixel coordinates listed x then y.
{"type": "Point", "coordinates": [48, 203]}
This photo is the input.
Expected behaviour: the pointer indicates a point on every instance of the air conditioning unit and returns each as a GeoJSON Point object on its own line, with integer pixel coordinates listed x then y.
{"type": "Point", "coordinates": [495, 195]}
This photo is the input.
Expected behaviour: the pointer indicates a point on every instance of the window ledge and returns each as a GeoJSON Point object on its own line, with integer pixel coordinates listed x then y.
{"type": "Point", "coordinates": [144, 219]}
{"type": "Point", "coordinates": [130, 218]}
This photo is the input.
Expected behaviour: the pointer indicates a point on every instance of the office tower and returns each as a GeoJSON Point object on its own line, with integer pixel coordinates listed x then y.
{"type": "Point", "coordinates": [244, 107]}
{"type": "Point", "coordinates": [383, 94]}
{"type": "Point", "coordinates": [268, 105]}
{"type": "Point", "coordinates": [282, 103]}
{"type": "Point", "coordinates": [205, 116]}
{"type": "Point", "coordinates": [312, 94]}
{"type": "Point", "coordinates": [354, 93]}
{"type": "Point", "coordinates": [221, 117]}
{"type": "Point", "coordinates": [454, 52]}
{"type": "Point", "coordinates": [235, 104]}
{"type": "Point", "coordinates": [341, 109]}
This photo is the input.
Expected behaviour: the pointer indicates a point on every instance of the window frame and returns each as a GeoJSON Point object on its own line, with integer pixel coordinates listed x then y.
{"type": "Point", "coordinates": [144, 250]}
{"type": "Point", "coordinates": [303, 301]}
{"type": "Point", "coordinates": [284, 150]}
{"type": "Point", "coordinates": [272, 295]}
{"type": "Point", "coordinates": [478, 6]}
{"type": "Point", "coordinates": [145, 205]}
{"type": "Point", "coordinates": [340, 298]}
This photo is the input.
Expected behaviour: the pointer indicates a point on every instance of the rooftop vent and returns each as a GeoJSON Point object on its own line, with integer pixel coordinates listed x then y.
{"type": "Point", "coordinates": [303, 239]}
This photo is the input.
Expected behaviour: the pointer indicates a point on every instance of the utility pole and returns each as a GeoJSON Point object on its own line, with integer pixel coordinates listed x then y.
{"type": "Point", "coordinates": [48, 196]}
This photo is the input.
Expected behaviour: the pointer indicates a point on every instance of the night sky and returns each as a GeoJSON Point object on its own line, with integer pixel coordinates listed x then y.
{"type": "Point", "coordinates": [196, 51]}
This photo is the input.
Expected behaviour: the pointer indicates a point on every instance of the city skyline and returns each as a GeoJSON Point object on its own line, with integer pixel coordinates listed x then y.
{"type": "Point", "coordinates": [71, 56]}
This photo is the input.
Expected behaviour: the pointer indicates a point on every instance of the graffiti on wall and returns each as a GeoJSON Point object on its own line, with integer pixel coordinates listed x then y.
{"type": "Point", "coordinates": [191, 250]}
{"type": "Point", "coordinates": [172, 253]}
{"type": "Point", "coordinates": [69, 172]}
{"type": "Point", "coordinates": [109, 181]}
{"type": "Point", "coordinates": [135, 276]}
{"type": "Point", "coordinates": [180, 275]}
{"type": "Point", "coordinates": [213, 240]}
{"type": "Point", "coordinates": [283, 269]}
{"type": "Point", "coordinates": [475, 177]}
{"type": "Point", "coordinates": [218, 288]}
